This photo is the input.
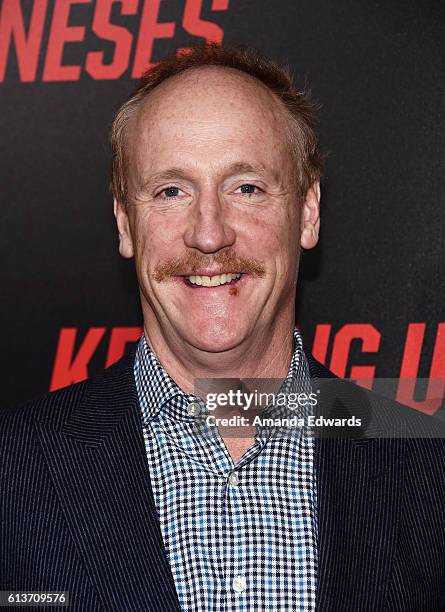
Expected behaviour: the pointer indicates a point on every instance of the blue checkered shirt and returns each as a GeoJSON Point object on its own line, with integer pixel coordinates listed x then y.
{"type": "Point", "coordinates": [234, 543]}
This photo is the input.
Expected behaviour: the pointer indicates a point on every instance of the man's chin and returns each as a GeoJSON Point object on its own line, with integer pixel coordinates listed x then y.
{"type": "Point", "coordinates": [217, 339]}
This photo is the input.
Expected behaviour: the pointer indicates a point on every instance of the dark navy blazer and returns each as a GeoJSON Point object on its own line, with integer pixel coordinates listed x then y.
{"type": "Point", "coordinates": [77, 510]}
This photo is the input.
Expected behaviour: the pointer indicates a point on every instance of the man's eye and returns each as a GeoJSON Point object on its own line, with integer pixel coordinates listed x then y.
{"type": "Point", "coordinates": [170, 192]}
{"type": "Point", "coordinates": [248, 189]}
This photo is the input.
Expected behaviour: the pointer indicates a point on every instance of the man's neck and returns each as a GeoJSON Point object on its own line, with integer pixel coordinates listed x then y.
{"type": "Point", "coordinates": [264, 356]}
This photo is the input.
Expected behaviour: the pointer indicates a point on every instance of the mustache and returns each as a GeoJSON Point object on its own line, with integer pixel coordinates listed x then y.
{"type": "Point", "coordinates": [192, 261]}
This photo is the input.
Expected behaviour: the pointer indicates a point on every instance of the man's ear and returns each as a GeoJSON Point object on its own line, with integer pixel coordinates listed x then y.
{"type": "Point", "coordinates": [310, 217]}
{"type": "Point", "coordinates": [123, 226]}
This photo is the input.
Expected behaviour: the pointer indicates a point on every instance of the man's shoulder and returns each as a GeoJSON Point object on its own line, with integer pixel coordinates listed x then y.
{"type": "Point", "coordinates": [387, 418]}
{"type": "Point", "coordinates": [55, 406]}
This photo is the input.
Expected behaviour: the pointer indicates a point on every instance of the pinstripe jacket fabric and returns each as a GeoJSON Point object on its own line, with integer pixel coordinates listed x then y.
{"type": "Point", "coordinates": [77, 512]}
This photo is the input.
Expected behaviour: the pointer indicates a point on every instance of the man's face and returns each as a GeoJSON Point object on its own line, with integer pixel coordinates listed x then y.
{"type": "Point", "coordinates": [213, 218]}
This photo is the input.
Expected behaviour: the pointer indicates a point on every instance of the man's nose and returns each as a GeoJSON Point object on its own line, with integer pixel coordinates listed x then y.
{"type": "Point", "coordinates": [208, 229]}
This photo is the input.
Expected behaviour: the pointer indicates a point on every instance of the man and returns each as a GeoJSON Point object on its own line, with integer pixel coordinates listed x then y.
{"type": "Point", "coordinates": [111, 491]}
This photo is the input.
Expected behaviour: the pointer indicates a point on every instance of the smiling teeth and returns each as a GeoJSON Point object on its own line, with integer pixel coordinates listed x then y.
{"type": "Point", "coordinates": [213, 281]}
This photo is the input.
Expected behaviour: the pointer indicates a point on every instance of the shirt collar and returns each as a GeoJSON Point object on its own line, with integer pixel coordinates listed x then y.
{"type": "Point", "coordinates": [158, 391]}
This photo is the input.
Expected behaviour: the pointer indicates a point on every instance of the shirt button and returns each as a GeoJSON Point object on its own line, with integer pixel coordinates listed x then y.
{"type": "Point", "coordinates": [234, 479]}
{"type": "Point", "coordinates": [239, 584]}
{"type": "Point", "coordinates": [194, 409]}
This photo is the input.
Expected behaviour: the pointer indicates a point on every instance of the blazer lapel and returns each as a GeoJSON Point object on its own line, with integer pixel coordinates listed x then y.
{"type": "Point", "coordinates": [360, 484]}
{"type": "Point", "coordinates": [97, 461]}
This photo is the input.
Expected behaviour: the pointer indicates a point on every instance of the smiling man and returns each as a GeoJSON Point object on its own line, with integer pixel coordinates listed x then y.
{"type": "Point", "coordinates": [124, 499]}
{"type": "Point", "coordinates": [214, 205]}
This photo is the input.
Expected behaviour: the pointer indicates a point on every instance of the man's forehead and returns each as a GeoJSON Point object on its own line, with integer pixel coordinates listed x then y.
{"type": "Point", "coordinates": [208, 93]}
{"type": "Point", "coordinates": [198, 119]}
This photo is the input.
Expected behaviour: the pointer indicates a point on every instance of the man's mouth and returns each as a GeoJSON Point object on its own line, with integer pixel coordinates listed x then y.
{"type": "Point", "coordinates": [212, 281]}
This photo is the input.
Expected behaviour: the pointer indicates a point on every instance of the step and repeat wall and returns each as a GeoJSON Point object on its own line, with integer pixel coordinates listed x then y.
{"type": "Point", "coordinates": [370, 297]}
